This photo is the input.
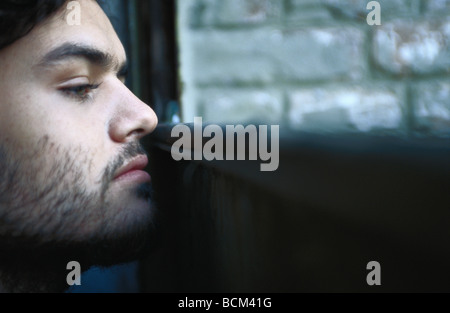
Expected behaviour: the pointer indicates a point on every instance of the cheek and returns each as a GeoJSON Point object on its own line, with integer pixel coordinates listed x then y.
{"type": "Point", "coordinates": [49, 161]}
{"type": "Point", "coordinates": [24, 120]}
{"type": "Point", "coordinates": [28, 119]}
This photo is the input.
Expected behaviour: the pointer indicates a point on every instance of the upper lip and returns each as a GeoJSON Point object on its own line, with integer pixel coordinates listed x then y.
{"type": "Point", "coordinates": [138, 163]}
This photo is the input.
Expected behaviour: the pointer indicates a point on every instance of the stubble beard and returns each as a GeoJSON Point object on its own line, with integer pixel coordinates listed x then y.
{"type": "Point", "coordinates": [49, 216]}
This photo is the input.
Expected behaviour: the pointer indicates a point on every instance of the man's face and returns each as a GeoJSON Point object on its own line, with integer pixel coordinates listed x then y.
{"type": "Point", "coordinates": [68, 128]}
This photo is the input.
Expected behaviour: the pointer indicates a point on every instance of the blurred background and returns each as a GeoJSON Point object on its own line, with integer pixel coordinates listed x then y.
{"type": "Point", "coordinates": [317, 64]}
{"type": "Point", "coordinates": [304, 64]}
{"type": "Point", "coordinates": [364, 153]}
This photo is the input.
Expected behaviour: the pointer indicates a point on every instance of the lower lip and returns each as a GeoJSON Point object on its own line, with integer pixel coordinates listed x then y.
{"type": "Point", "coordinates": [136, 176]}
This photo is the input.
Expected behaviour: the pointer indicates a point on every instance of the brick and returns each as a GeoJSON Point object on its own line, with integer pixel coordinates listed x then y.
{"type": "Point", "coordinates": [269, 55]}
{"type": "Point", "coordinates": [235, 106]}
{"type": "Point", "coordinates": [234, 12]}
{"type": "Point", "coordinates": [357, 9]}
{"type": "Point", "coordinates": [307, 12]}
{"type": "Point", "coordinates": [247, 11]}
{"type": "Point", "coordinates": [437, 7]}
{"type": "Point", "coordinates": [413, 48]}
{"type": "Point", "coordinates": [233, 57]}
{"type": "Point", "coordinates": [322, 54]}
{"type": "Point", "coordinates": [432, 108]}
{"type": "Point", "coordinates": [347, 108]}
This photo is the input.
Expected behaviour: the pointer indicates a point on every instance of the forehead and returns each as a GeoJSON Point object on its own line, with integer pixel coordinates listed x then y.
{"type": "Point", "coordinates": [95, 30]}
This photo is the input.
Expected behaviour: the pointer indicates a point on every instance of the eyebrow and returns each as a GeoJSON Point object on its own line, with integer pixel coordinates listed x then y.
{"type": "Point", "coordinates": [93, 55]}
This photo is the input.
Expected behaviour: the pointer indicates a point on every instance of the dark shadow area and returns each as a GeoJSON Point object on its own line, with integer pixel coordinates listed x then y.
{"type": "Point", "coordinates": [335, 204]}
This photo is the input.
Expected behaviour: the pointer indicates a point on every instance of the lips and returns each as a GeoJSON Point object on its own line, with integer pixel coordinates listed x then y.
{"type": "Point", "coordinates": [137, 165]}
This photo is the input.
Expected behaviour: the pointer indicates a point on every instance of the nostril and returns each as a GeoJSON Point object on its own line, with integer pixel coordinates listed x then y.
{"type": "Point", "coordinates": [137, 132]}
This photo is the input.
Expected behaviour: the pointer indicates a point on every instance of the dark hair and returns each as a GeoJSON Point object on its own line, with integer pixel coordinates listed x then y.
{"type": "Point", "coordinates": [19, 17]}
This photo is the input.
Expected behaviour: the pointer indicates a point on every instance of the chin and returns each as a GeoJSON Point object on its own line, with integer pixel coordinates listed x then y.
{"type": "Point", "coordinates": [127, 231]}
{"type": "Point", "coordinates": [130, 205]}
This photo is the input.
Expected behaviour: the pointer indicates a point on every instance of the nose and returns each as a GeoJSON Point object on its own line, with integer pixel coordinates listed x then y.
{"type": "Point", "coordinates": [132, 119]}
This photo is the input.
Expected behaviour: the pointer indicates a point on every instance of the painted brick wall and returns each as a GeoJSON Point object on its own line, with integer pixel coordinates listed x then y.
{"type": "Point", "coordinates": [316, 65]}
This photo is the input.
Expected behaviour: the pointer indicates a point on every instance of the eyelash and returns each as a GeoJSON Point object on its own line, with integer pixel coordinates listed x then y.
{"type": "Point", "coordinates": [82, 93]}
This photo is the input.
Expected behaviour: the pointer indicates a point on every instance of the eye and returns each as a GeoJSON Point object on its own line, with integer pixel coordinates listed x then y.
{"type": "Point", "coordinates": [81, 92]}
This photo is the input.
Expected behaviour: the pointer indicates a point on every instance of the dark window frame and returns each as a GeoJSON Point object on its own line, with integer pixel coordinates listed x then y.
{"type": "Point", "coordinates": [147, 29]}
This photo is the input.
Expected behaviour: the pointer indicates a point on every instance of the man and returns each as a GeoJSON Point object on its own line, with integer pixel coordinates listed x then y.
{"type": "Point", "coordinates": [72, 184]}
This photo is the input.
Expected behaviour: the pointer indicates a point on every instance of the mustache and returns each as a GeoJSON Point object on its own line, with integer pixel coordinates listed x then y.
{"type": "Point", "coordinates": [129, 152]}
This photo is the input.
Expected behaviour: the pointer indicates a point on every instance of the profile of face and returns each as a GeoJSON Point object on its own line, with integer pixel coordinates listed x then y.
{"type": "Point", "coordinates": [72, 183]}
